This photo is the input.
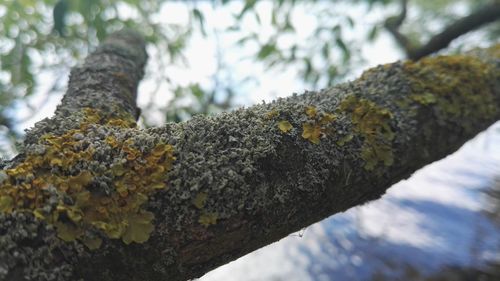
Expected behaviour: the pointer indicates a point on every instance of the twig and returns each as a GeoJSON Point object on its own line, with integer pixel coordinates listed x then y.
{"type": "Point", "coordinates": [486, 14]}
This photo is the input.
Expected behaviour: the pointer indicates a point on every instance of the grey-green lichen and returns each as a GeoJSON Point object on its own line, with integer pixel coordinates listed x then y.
{"type": "Point", "coordinates": [30, 250]}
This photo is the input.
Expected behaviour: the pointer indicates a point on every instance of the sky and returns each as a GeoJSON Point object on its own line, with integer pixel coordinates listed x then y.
{"type": "Point", "coordinates": [266, 84]}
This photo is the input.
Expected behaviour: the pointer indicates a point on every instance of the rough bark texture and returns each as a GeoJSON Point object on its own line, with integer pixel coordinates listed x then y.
{"type": "Point", "coordinates": [114, 202]}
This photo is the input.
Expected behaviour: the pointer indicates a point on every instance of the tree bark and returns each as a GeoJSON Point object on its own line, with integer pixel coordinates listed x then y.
{"type": "Point", "coordinates": [93, 197]}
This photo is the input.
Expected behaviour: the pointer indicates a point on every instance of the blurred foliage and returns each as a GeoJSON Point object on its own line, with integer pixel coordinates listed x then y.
{"type": "Point", "coordinates": [51, 36]}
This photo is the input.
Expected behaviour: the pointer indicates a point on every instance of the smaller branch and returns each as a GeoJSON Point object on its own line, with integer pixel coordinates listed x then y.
{"type": "Point", "coordinates": [487, 14]}
{"type": "Point", "coordinates": [109, 77]}
{"type": "Point", "coordinates": [484, 15]}
{"type": "Point", "coordinates": [392, 24]}
{"type": "Point", "coordinates": [107, 82]}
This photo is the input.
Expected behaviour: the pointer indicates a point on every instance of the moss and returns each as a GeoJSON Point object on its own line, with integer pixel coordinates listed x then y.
{"type": "Point", "coordinates": [456, 88]}
{"type": "Point", "coordinates": [65, 184]}
{"type": "Point", "coordinates": [373, 124]}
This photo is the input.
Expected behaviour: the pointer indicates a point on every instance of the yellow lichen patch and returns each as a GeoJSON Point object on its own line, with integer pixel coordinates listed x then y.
{"type": "Point", "coordinates": [327, 118]}
{"type": "Point", "coordinates": [111, 141]}
{"type": "Point", "coordinates": [92, 243]}
{"type": "Point", "coordinates": [121, 123]}
{"type": "Point", "coordinates": [67, 231]}
{"type": "Point", "coordinates": [373, 124]}
{"type": "Point", "coordinates": [116, 119]}
{"type": "Point", "coordinates": [284, 126]}
{"type": "Point", "coordinates": [200, 200]}
{"type": "Point", "coordinates": [91, 116]}
{"type": "Point", "coordinates": [207, 219]}
{"type": "Point", "coordinates": [138, 227]}
{"type": "Point", "coordinates": [425, 98]}
{"type": "Point", "coordinates": [53, 186]}
{"type": "Point", "coordinates": [456, 88]}
{"type": "Point", "coordinates": [271, 114]}
{"type": "Point", "coordinates": [79, 181]}
{"type": "Point", "coordinates": [345, 139]}
{"type": "Point", "coordinates": [6, 204]}
{"type": "Point", "coordinates": [311, 111]}
{"type": "Point", "coordinates": [311, 132]}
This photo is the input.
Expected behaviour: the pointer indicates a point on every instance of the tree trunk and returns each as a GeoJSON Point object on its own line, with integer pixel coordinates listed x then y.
{"type": "Point", "coordinates": [92, 197]}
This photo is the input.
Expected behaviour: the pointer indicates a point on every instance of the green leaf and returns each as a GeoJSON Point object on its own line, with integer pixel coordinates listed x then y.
{"type": "Point", "coordinates": [267, 50]}
{"type": "Point", "coordinates": [350, 21]}
{"type": "Point", "coordinates": [293, 53]}
{"type": "Point", "coordinates": [288, 24]}
{"type": "Point", "coordinates": [257, 18]}
{"type": "Point", "coordinates": [274, 20]}
{"type": "Point", "coordinates": [325, 51]}
{"type": "Point", "coordinates": [201, 20]}
{"type": "Point", "coordinates": [197, 91]}
{"type": "Point", "coordinates": [249, 4]}
{"type": "Point", "coordinates": [309, 68]}
{"type": "Point", "coordinates": [372, 35]}
{"type": "Point", "coordinates": [345, 51]}
{"type": "Point", "coordinates": [59, 16]}
{"type": "Point", "coordinates": [337, 30]}
{"type": "Point", "coordinates": [332, 73]}
{"type": "Point", "coordinates": [244, 39]}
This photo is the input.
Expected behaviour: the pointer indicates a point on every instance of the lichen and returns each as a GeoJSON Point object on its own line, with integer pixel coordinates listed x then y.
{"type": "Point", "coordinates": [30, 244]}
{"type": "Point", "coordinates": [316, 124]}
{"type": "Point", "coordinates": [373, 124]}
{"type": "Point", "coordinates": [207, 219]}
{"type": "Point", "coordinates": [284, 126]}
{"type": "Point", "coordinates": [311, 132]}
{"type": "Point", "coordinates": [455, 87]}
{"type": "Point", "coordinates": [200, 200]}
{"type": "Point", "coordinates": [311, 111]}
{"type": "Point", "coordinates": [64, 184]}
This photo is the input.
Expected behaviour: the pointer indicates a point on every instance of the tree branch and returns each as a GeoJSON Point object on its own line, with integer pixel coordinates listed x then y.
{"type": "Point", "coordinates": [98, 199]}
{"type": "Point", "coordinates": [484, 15]}
{"type": "Point", "coordinates": [106, 82]}
{"type": "Point", "coordinates": [393, 24]}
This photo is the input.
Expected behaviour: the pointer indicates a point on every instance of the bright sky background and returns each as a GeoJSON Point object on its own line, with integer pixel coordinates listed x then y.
{"type": "Point", "coordinates": [266, 85]}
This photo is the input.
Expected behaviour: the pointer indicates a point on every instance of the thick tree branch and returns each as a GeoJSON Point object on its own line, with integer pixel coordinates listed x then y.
{"type": "Point", "coordinates": [97, 199]}
{"type": "Point", "coordinates": [482, 16]}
